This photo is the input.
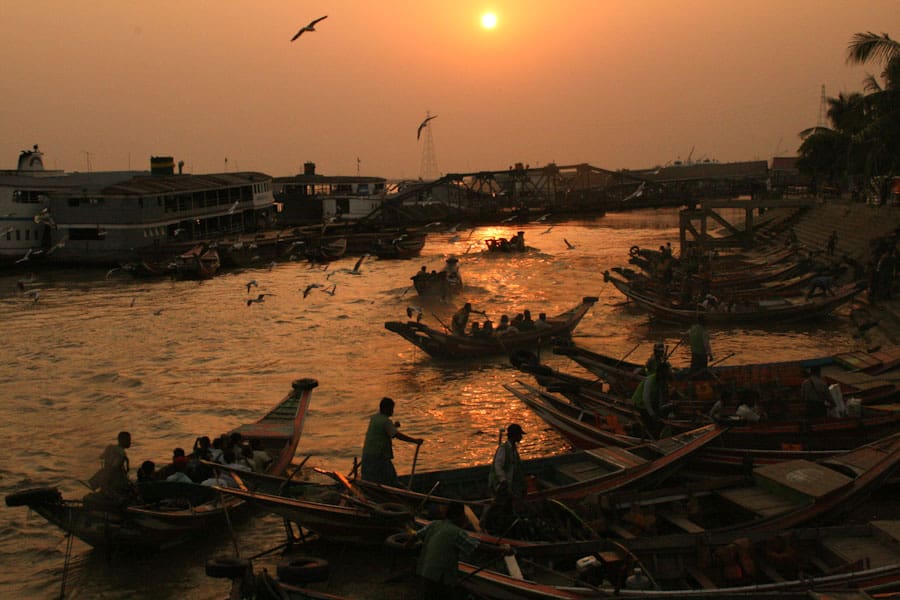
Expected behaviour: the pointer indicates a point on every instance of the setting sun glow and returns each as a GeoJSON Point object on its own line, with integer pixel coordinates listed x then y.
{"type": "Point", "coordinates": [488, 20]}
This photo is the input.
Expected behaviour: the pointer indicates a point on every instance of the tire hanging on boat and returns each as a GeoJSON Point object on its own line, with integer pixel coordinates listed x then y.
{"type": "Point", "coordinates": [392, 510]}
{"type": "Point", "coordinates": [303, 569]}
{"type": "Point", "coordinates": [227, 568]}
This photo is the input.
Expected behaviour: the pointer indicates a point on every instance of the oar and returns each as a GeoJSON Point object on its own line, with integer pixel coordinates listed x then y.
{"type": "Point", "coordinates": [413, 471]}
{"type": "Point", "coordinates": [726, 357]}
{"type": "Point", "coordinates": [441, 322]}
{"type": "Point", "coordinates": [427, 497]}
{"type": "Point", "coordinates": [496, 558]}
{"type": "Point", "coordinates": [294, 472]}
{"type": "Point", "coordinates": [629, 353]}
{"type": "Point", "coordinates": [670, 352]}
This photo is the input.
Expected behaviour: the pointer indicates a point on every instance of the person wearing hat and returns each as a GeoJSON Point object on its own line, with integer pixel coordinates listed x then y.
{"type": "Point", "coordinates": [378, 452]}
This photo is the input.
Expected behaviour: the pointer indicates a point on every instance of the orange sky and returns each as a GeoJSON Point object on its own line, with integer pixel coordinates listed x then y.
{"type": "Point", "coordinates": [624, 84]}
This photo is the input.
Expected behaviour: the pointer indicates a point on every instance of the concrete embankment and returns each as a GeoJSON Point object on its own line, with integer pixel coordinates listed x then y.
{"type": "Point", "coordinates": [859, 228]}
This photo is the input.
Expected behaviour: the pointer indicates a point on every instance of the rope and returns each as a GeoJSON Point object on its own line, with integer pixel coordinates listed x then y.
{"type": "Point", "coordinates": [65, 573]}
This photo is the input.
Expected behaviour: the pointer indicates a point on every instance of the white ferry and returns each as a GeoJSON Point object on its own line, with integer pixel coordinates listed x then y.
{"type": "Point", "coordinates": [117, 217]}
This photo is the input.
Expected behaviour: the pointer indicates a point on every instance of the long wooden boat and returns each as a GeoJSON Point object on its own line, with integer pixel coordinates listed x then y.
{"type": "Point", "coordinates": [596, 422]}
{"type": "Point", "coordinates": [171, 513]}
{"type": "Point", "coordinates": [406, 245]}
{"type": "Point", "coordinates": [575, 475]}
{"type": "Point", "coordinates": [457, 347]}
{"type": "Point", "coordinates": [783, 310]}
{"type": "Point", "coordinates": [750, 565]}
{"type": "Point", "coordinates": [200, 262]}
{"type": "Point", "coordinates": [325, 250]}
{"type": "Point", "coordinates": [443, 283]}
{"type": "Point", "coordinates": [773, 497]}
{"type": "Point", "coordinates": [864, 375]}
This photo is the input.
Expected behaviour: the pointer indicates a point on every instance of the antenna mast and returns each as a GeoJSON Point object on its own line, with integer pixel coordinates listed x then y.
{"type": "Point", "coordinates": [428, 170]}
{"type": "Point", "coordinates": [820, 120]}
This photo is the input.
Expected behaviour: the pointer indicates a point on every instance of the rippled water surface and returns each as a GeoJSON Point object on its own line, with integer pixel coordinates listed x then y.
{"type": "Point", "coordinates": [171, 360]}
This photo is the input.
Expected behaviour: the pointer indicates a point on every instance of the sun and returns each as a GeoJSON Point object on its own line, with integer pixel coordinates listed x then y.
{"type": "Point", "coordinates": [489, 20]}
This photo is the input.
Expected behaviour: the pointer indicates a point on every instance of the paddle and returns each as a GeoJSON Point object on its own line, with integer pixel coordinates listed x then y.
{"type": "Point", "coordinates": [413, 471]}
{"type": "Point", "coordinates": [627, 354]}
{"type": "Point", "coordinates": [427, 497]}
{"type": "Point", "coordinates": [343, 481]}
{"type": "Point", "coordinates": [493, 560]}
{"type": "Point", "coordinates": [294, 472]}
{"type": "Point", "coordinates": [726, 357]}
{"type": "Point", "coordinates": [441, 322]}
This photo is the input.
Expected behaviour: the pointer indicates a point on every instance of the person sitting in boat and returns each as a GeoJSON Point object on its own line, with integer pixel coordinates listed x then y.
{"type": "Point", "coordinates": [475, 331]}
{"type": "Point", "coordinates": [815, 395]}
{"type": "Point", "coordinates": [147, 471]}
{"type": "Point", "coordinates": [487, 328]}
{"type": "Point", "coordinates": [451, 270]}
{"type": "Point", "coordinates": [421, 275]}
{"type": "Point", "coordinates": [542, 323]}
{"type": "Point", "coordinates": [112, 477]}
{"type": "Point", "coordinates": [503, 326]}
{"type": "Point", "coordinates": [179, 474]}
{"type": "Point", "coordinates": [164, 472]}
{"type": "Point", "coordinates": [751, 414]}
{"type": "Point", "coordinates": [518, 241]}
{"type": "Point", "coordinates": [527, 323]}
{"type": "Point", "coordinates": [261, 458]}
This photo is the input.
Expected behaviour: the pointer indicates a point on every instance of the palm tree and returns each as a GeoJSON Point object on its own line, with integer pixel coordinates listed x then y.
{"type": "Point", "coordinates": [880, 137]}
{"type": "Point", "coordinates": [864, 139]}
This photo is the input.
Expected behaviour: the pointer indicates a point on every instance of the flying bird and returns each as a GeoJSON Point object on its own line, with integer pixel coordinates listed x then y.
{"type": "Point", "coordinates": [569, 245]}
{"type": "Point", "coordinates": [423, 124]}
{"type": "Point", "coordinates": [250, 284]}
{"type": "Point", "coordinates": [547, 230]}
{"type": "Point", "coordinates": [310, 27]}
{"type": "Point", "coordinates": [359, 263]}
{"type": "Point", "coordinates": [26, 257]}
{"type": "Point", "coordinates": [258, 299]}
{"type": "Point", "coordinates": [35, 295]}
{"type": "Point", "coordinates": [414, 310]}
{"type": "Point", "coordinates": [310, 288]}
{"type": "Point", "coordinates": [234, 207]}
{"type": "Point", "coordinates": [330, 291]}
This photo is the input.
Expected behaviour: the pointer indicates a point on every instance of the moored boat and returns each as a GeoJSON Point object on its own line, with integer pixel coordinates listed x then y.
{"type": "Point", "coordinates": [168, 513]}
{"type": "Point", "coordinates": [200, 262]}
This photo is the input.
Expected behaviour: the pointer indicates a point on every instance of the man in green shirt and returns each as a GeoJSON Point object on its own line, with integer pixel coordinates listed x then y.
{"type": "Point", "coordinates": [444, 543]}
{"type": "Point", "coordinates": [378, 452]}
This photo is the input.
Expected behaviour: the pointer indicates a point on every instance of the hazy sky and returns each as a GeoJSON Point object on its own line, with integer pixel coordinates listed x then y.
{"type": "Point", "coordinates": [617, 84]}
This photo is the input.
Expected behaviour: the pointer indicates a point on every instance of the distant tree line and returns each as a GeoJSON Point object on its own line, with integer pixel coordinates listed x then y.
{"type": "Point", "coordinates": [860, 151]}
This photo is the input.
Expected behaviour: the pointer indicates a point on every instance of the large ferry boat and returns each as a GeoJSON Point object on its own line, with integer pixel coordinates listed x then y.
{"type": "Point", "coordinates": [105, 218]}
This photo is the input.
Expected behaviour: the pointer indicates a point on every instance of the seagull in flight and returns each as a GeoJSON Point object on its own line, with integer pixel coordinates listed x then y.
{"type": "Point", "coordinates": [310, 27]}
{"type": "Point", "coordinates": [569, 245]}
{"type": "Point", "coordinates": [547, 230]}
{"type": "Point", "coordinates": [510, 219]}
{"type": "Point", "coordinates": [414, 310]}
{"type": "Point", "coordinates": [250, 284]}
{"type": "Point", "coordinates": [234, 207]}
{"type": "Point", "coordinates": [423, 124]}
{"type": "Point", "coordinates": [25, 258]}
{"type": "Point", "coordinates": [34, 294]}
{"type": "Point", "coordinates": [310, 288]}
{"type": "Point", "coordinates": [330, 291]}
{"type": "Point", "coordinates": [258, 299]}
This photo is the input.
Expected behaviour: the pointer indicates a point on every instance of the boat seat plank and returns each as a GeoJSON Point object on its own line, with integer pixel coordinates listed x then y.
{"type": "Point", "coordinates": [853, 549]}
{"type": "Point", "coordinates": [802, 477]}
{"type": "Point", "coordinates": [680, 521]}
{"type": "Point", "coordinates": [862, 460]}
{"type": "Point", "coordinates": [621, 532]}
{"type": "Point", "coordinates": [582, 470]}
{"type": "Point", "coordinates": [757, 500]}
{"type": "Point", "coordinates": [887, 531]}
{"type": "Point", "coordinates": [617, 456]}
{"type": "Point", "coordinates": [700, 577]}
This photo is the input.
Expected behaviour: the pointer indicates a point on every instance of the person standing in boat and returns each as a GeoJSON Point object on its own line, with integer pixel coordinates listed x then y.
{"type": "Point", "coordinates": [378, 452]}
{"type": "Point", "coordinates": [815, 395]}
{"type": "Point", "coordinates": [651, 398]}
{"type": "Point", "coordinates": [112, 477]}
{"type": "Point", "coordinates": [701, 353]}
{"type": "Point", "coordinates": [506, 480]}
{"type": "Point", "coordinates": [461, 319]}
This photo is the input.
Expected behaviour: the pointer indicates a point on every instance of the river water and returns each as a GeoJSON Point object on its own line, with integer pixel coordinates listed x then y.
{"type": "Point", "coordinates": [171, 360]}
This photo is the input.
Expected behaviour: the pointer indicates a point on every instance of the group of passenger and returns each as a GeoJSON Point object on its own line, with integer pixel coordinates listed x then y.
{"type": "Point", "coordinates": [514, 244]}
{"type": "Point", "coordinates": [522, 322]}
{"type": "Point", "coordinates": [232, 451]}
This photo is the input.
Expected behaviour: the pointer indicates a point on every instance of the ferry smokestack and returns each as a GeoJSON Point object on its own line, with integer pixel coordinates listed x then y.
{"type": "Point", "coordinates": [309, 168]}
{"type": "Point", "coordinates": [162, 165]}
{"type": "Point", "coordinates": [180, 166]}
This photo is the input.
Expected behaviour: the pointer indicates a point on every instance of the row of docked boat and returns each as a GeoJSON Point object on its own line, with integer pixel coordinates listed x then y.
{"type": "Point", "coordinates": [635, 517]}
{"type": "Point", "coordinates": [775, 285]}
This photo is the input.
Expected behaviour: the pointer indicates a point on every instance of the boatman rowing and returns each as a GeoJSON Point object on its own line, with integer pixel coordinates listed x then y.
{"type": "Point", "coordinates": [378, 452]}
